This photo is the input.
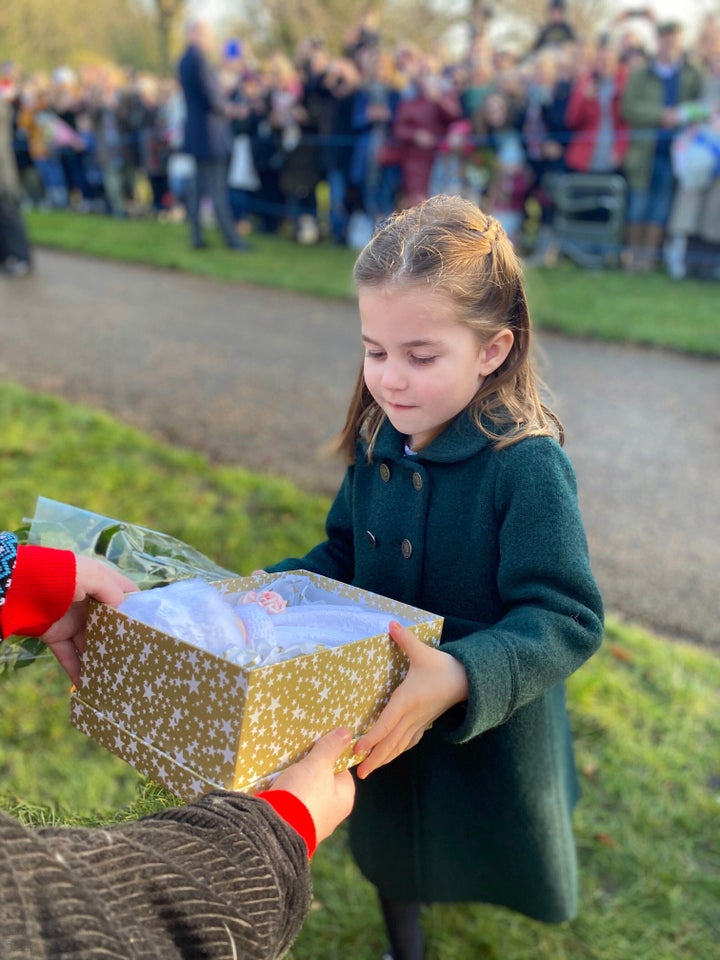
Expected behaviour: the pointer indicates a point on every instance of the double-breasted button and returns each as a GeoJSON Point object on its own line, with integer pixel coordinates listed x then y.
{"type": "Point", "coordinates": [384, 473]}
{"type": "Point", "coordinates": [406, 549]}
{"type": "Point", "coordinates": [417, 480]}
{"type": "Point", "coordinates": [371, 538]}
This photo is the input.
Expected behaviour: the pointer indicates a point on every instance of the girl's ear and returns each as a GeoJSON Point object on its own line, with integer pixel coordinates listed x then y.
{"type": "Point", "coordinates": [495, 352]}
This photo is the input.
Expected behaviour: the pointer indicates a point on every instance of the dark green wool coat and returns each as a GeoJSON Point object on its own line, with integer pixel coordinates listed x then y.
{"type": "Point", "coordinates": [493, 541]}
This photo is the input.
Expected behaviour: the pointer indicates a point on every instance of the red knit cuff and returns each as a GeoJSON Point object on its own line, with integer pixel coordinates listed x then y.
{"type": "Point", "coordinates": [41, 590]}
{"type": "Point", "coordinates": [295, 813]}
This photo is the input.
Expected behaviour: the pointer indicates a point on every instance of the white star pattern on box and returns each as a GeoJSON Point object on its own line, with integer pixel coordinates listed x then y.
{"type": "Point", "coordinates": [192, 720]}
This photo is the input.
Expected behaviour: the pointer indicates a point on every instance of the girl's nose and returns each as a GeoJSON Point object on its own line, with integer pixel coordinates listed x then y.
{"type": "Point", "coordinates": [392, 376]}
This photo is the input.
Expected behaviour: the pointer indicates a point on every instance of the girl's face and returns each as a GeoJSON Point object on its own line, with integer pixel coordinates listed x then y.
{"type": "Point", "coordinates": [422, 366]}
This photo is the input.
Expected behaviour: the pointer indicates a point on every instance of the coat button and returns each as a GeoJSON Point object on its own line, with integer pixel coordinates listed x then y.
{"type": "Point", "coordinates": [406, 549]}
{"type": "Point", "coordinates": [371, 538]}
{"type": "Point", "coordinates": [384, 473]}
{"type": "Point", "coordinates": [417, 480]}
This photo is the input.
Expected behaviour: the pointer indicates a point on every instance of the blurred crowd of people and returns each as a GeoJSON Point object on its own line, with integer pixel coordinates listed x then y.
{"type": "Point", "coordinates": [324, 145]}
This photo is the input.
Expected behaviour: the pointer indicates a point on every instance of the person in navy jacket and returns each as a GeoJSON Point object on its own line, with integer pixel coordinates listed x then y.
{"type": "Point", "coordinates": [207, 136]}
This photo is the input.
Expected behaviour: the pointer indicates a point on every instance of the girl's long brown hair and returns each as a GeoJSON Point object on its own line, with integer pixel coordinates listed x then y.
{"type": "Point", "coordinates": [450, 246]}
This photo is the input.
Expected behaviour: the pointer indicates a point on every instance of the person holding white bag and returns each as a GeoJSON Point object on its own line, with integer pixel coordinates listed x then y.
{"type": "Point", "coordinates": [243, 179]}
{"type": "Point", "coordinates": [696, 162]}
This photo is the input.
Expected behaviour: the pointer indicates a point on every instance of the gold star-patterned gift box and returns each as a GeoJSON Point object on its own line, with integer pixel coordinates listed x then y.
{"type": "Point", "coordinates": [194, 721]}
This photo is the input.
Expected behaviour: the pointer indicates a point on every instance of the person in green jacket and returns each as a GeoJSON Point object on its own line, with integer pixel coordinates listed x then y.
{"type": "Point", "coordinates": [653, 104]}
{"type": "Point", "coordinates": [459, 499]}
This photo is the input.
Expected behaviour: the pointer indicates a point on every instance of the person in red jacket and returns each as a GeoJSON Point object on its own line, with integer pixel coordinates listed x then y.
{"type": "Point", "coordinates": [225, 876]}
{"type": "Point", "coordinates": [600, 136]}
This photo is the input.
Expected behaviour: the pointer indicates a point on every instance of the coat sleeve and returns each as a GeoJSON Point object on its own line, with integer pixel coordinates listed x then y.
{"type": "Point", "coordinates": [37, 585]}
{"type": "Point", "coordinates": [220, 878]}
{"type": "Point", "coordinates": [581, 109]}
{"type": "Point", "coordinates": [553, 620]}
{"type": "Point", "coordinates": [215, 100]}
{"type": "Point", "coordinates": [405, 122]}
{"type": "Point", "coordinates": [8, 558]}
{"type": "Point", "coordinates": [641, 106]}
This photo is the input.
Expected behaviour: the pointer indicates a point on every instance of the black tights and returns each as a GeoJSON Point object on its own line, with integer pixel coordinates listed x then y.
{"type": "Point", "coordinates": [402, 921]}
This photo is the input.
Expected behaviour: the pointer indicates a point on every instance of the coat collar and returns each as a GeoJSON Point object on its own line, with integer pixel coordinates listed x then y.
{"type": "Point", "coordinates": [460, 440]}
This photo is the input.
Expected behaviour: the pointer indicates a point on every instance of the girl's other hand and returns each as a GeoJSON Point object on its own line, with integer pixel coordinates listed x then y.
{"type": "Point", "coordinates": [435, 681]}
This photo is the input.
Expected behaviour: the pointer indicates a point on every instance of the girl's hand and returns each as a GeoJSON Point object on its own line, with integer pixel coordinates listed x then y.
{"type": "Point", "coordinates": [435, 682]}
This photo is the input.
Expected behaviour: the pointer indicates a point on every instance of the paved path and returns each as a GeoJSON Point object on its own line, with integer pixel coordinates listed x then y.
{"type": "Point", "coordinates": [261, 378]}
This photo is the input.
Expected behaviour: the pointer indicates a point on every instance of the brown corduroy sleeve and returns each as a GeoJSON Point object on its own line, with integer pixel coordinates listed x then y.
{"type": "Point", "coordinates": [223, 877]}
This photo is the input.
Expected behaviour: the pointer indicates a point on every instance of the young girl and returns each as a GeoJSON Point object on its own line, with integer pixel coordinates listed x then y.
{"type": "Point", "coordinates": [459, 499]}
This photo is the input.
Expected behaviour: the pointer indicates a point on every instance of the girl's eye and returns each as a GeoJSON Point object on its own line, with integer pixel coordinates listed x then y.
{"type": "Point", "coordinates": [422, 361]}
{"type": "Point", "coordinates": [374, 354]}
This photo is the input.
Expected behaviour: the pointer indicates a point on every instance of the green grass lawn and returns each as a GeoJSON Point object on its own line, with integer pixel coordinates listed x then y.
{"type": "Point", "coordinates": [273, 262]}
{"type": "Point", "coordinates": [644, 711]}
{"type": "Point", "coordinates": [609, 305]}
